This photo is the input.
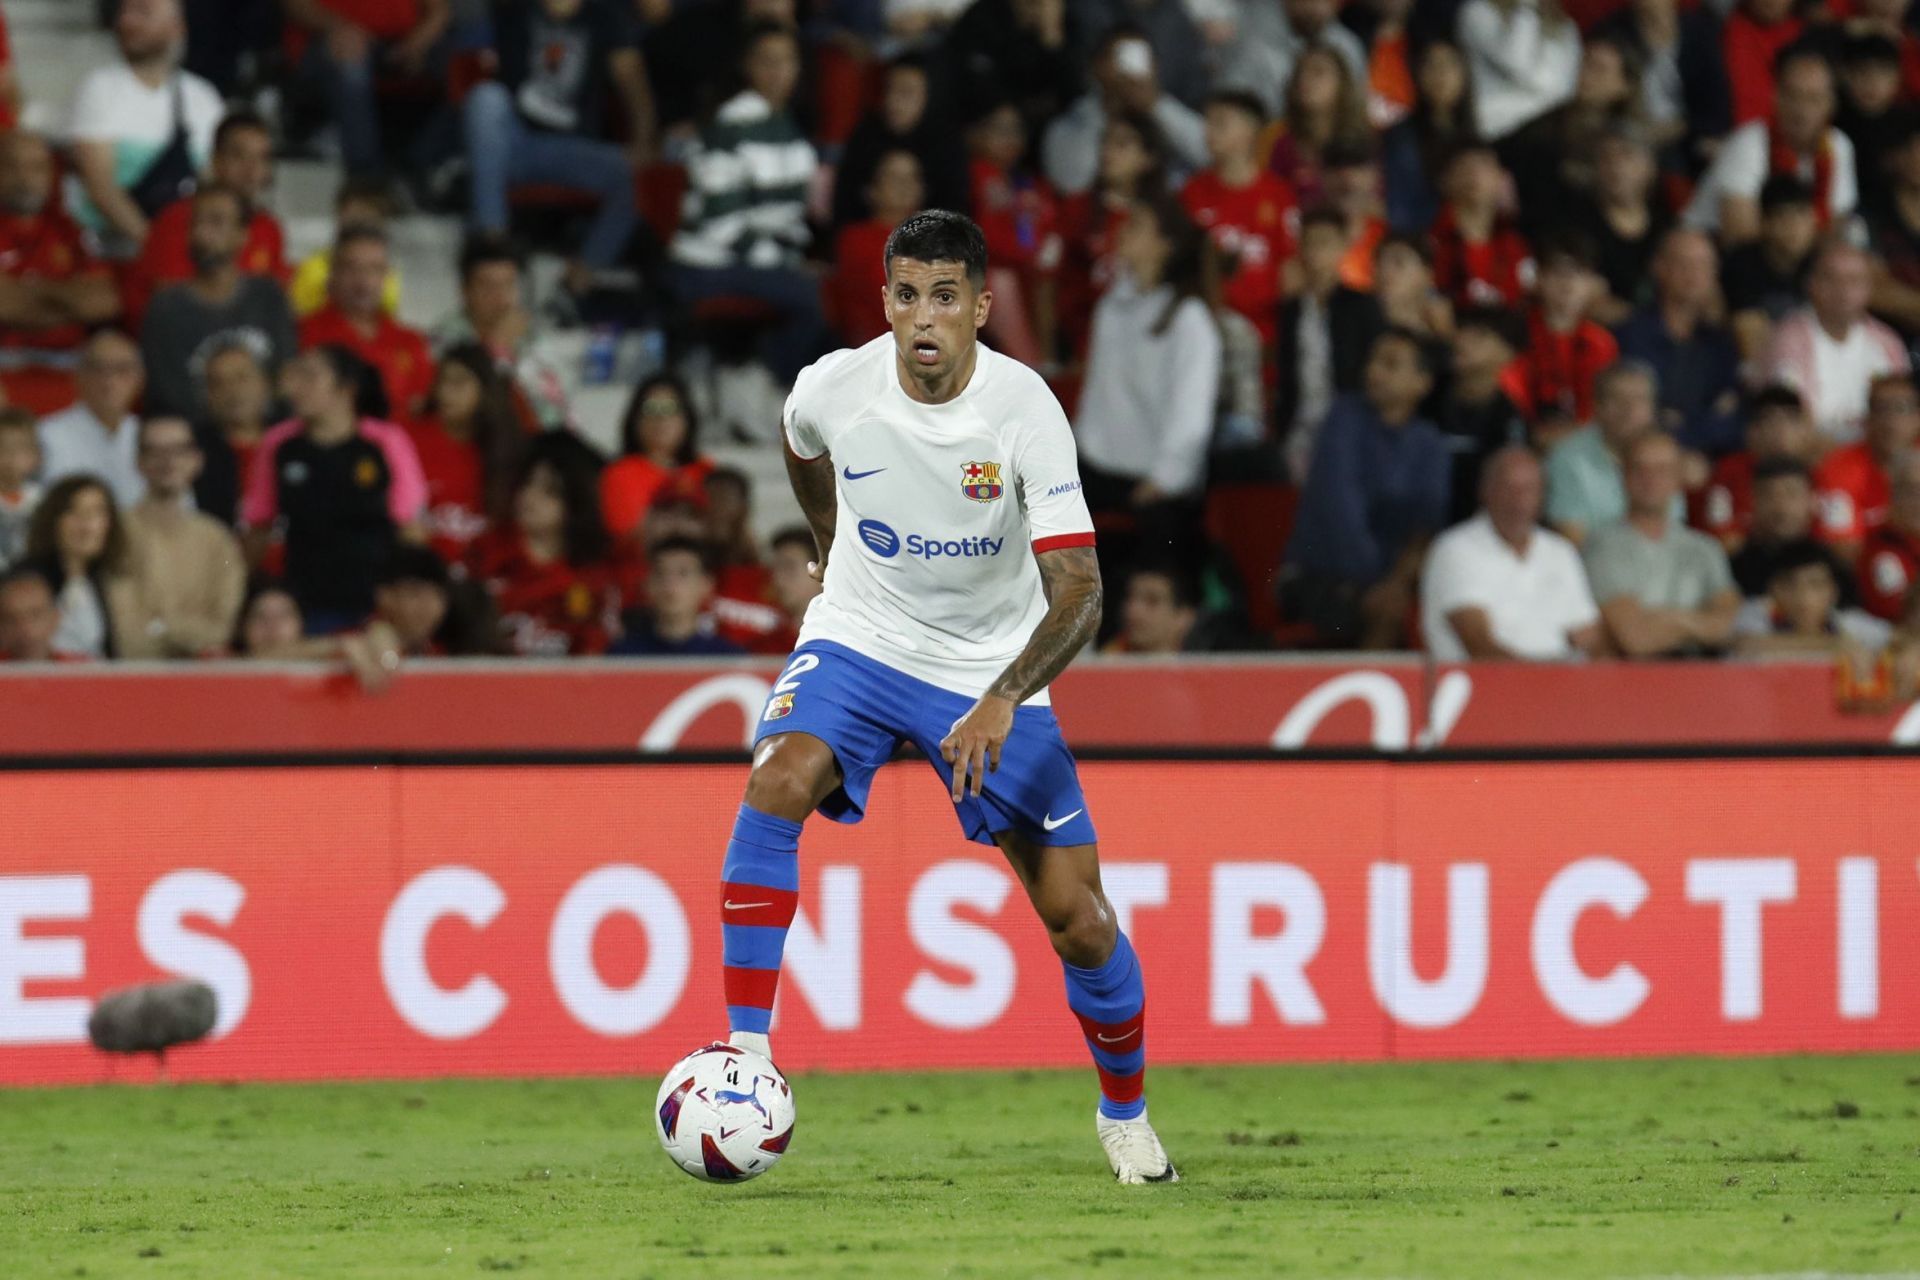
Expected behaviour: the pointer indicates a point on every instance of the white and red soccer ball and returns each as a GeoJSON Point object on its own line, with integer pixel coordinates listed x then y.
{"type": "Point", "coordinates": [724, 1114]}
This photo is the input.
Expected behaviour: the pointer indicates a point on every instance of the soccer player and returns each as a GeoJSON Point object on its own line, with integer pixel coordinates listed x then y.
{"type": "Point", "coordinates": [966, 583]}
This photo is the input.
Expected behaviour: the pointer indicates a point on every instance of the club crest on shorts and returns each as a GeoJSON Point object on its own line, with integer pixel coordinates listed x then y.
{"type": "Point", "coordinates": [980, 481]}
{"type": "Point", "coordinates": [779, 707]}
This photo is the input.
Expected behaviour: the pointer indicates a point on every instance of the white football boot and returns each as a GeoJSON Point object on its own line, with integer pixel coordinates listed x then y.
{"type": "Point", "coordinates": [1134, 1150]}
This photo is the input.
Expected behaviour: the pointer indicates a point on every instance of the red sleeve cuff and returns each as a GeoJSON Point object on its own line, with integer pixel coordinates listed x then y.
{"type": "Point", "coordinates": [1061, 541]}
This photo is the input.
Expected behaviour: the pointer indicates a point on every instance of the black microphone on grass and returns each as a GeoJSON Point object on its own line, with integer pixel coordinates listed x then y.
{"type": "Point", "coordinates": [153, 1017]}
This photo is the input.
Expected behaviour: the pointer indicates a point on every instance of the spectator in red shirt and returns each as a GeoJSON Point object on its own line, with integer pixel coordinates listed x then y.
{"type": "Point", "coordinates": [1133, 166]}
{"type": "Point", "coordinates": [1244, 207]}
{"type": "Point", "coordinates": [859, 268]}
{"type": "Point", "coordinates": [1479, 256]}
{"type": "Point", "coordinates": [1565, 350]}
{"type": "Point", "coordinates": [1754, 34]}
{"type": "Point", "coordinates": [356, 318]}
{"type": "Point", "coordinates": [1853, 484]}
{"type": "Point", "coordinates": [9, 80]}
{"type": "Point", "coordinates": [660, 453]}
{"type": "Point", "coordinates": [743, 603]}
{"type": "Point", "coordinates": [51, 286]}
{"type": "Point", "coordinates": [1890, 559]}
{"type": "Point", "coordinates": [469, 442]}
{"type": "Point", "coordinates": [1777, 427]}
{"type": "Point", "coordinates": [351, 44]}
{"type": "Point", "coordinates": [242, 162]}
{"type": "Point", "coordinates": [547, 568]}
{"type": "Point", "coordinates": [1016, 212]}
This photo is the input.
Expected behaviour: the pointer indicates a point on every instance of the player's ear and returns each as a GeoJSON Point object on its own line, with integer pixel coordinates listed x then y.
{"type": "Point", "coordinates": [982, 304]}
{"type": "Point", "coordinates": [886, 302]}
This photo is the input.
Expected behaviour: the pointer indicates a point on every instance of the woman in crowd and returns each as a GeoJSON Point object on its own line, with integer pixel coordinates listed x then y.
{"type": "Point", "coordinates": [1153, 377]}
{"type": "Point", "coordinates": [77, 544]}
{"type": "Point", "coordinates": [1325, 106]}
{"type": "Point", "coordinates": [548, 567]}
{"type": "Point", "coordinates": [1524, 56]}
{"type": "Point", "coordinates": [469, 441]}
{"type": "Point", "coordinates": [660, 449]}
{"type": "Point", "coordinates": [1414, 151]}
{"type": "Point", "coordinates": [1133, 166]}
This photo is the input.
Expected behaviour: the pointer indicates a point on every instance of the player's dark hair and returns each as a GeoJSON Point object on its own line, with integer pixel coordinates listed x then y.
{"type": "Point", "coordinates": [1779, 467]}
{"type": "Point", "coordinates": [692, 546]}
{"type": "Point", "coordinates": [239, 120]}
{"type": "Point", "coordinates": [483, 249]}
{"type": "Point", "coordinates": [1244, 101]}
{"type": "Point", "coordinates": [1801, 553]}
{"type": "Point", "coordinates": [630, 421]}
{"type": "Point", "coordinates": [577, 467]}
{"type": "Point", "coordinates": [940, 235]}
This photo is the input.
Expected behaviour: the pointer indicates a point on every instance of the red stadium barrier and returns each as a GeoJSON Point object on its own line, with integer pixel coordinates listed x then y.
{"type": "Point", "coordinates": [423, 921]}
{"type": "Point", "coordinates": [588, 706]}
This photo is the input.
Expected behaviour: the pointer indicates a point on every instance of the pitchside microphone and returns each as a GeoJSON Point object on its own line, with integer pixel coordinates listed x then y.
{"type": "Point", "coordinates": [153, 1017]}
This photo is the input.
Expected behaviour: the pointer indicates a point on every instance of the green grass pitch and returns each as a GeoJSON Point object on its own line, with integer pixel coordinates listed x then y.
{"type": "Point", "coordinates": [1564, 1170]}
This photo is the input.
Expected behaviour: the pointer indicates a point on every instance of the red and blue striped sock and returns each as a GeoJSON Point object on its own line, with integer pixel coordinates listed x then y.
{"type": "Point", "coordinates": [759, 890]}
{"type": "Point", "coordinates": [1111, 1003]}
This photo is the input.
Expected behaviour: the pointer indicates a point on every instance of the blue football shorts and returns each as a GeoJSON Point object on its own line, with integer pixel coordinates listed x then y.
{"type": "Point", "coordinates": [864, 710]}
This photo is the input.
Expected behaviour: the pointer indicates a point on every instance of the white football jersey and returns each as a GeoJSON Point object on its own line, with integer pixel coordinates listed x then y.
{"type": "Point", "coordinates": [942, 508]}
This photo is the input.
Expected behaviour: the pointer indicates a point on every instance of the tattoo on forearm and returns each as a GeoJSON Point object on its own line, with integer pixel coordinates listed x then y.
{"type": "Point", "coordinates": [1071, 577]}
{"type": "Point", "coordinates": [812, 480]}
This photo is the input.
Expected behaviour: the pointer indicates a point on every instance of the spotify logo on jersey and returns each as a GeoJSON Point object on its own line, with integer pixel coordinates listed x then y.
{"type": "Point", "coordinates": [883, 542]}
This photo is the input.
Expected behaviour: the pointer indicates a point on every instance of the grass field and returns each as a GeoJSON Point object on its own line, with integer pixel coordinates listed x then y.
{"type": "Point", "coordinates": [1563, 1170]}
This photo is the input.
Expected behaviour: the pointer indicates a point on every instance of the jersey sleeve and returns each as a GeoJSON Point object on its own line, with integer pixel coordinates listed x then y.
{"type": "Point", "coordinates": [1047, 476]}
{"type": "Point", "coordinates": [800, 419]}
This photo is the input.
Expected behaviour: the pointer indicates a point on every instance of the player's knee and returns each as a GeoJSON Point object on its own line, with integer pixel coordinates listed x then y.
{"type": "Point", "coordinates": [1081, 929]}
{"type": "Point", "coordinates": [788, 781]}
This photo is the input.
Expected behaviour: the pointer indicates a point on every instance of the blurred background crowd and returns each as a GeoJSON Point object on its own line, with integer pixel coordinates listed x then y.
{"type": "Point", "coordinates": [1523, 329]}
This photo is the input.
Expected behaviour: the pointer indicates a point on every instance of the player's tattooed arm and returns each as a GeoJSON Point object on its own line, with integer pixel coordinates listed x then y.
{"type": "Point", "coordinates": [812, 480]}
{"type": "Point", "coordinates": [1071, 578]}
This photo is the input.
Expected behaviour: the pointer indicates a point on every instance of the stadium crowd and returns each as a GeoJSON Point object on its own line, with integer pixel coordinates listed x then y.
{"type": "Point", "coordinates": [1498, 328]}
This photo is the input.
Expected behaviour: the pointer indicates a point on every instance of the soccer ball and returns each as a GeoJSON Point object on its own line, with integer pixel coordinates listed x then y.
{"type": "Point", "coordinates": [724, 1114]}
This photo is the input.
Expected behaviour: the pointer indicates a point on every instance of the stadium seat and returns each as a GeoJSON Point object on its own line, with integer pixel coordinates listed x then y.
{"type": "Point", "coordinates": [1251, 523]}
{"type": "Point", "coordinates": [846, 83]}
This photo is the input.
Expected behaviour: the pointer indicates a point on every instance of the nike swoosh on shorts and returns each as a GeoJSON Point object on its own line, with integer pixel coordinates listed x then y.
{"type": "Point", "coordinates": [1052, 823]}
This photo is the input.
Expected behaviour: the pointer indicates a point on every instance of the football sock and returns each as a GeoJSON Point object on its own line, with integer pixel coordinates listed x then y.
{"type": "Point", "coordinates": [1111, 1003]}
{"type": "Point", "coordinates": [759, 889]}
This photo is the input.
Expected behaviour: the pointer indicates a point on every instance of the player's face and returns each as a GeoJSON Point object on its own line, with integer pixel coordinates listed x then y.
{"type": "Point", "coordinates": [936, 313]}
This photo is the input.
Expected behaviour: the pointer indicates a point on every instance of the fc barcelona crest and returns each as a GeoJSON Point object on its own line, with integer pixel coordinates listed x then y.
{"type": "Point", "coordinates": [980, 481]}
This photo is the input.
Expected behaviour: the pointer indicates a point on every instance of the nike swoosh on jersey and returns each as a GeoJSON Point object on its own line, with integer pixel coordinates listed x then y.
{"type": "Point", "coordinates": [731, 905]}
{"type": "Point", "coordinates": [1052, 823]}
{"type": "Point", "coordinates": [851, 474]}
{"type": "Point", "coordinates": [1106, 1039]}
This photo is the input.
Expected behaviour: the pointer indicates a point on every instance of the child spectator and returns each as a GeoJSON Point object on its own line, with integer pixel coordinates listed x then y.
{"type": "Point", "coordinates": [1782, 517]}
{"type": "Point", "coordinates": [1871, 113]}
{"type": "Point", "coordinates": [78, 544]}
{"type": "Point", "coordinates": [1244, 207]}
{"type": "Point", "coordinates": [1853, 484]}
{"type": "Point", "coordinates": [1350, 174]}
{"type": "Point", "coordinates": [547, 568]}
{"type": "Point", "coordinates": [337, 489]}
{"type": "Point", "coordinates": [659, 453]}
{"type": "Point", "coordinates": [219, 307]}
{"type": "Point", "coordinates": [412, 600]}
{"type": "Point", "coordinates": [1402, 282]}
{"type": "Point", "coordinates": [1565, 350]}
{"type": "Point", "coordinates": [1132, 166]}
{"type": "Point", "coordinates": [1765, 279]}
{"type": "Point", "coordinates": [676, 622]}
{"type": "Point", "coordinates": [239, 400]}
{"type": "Point", "coordinates": [1158, 611]}
{"type": "Point", "coordinates": [360, 202]}
{"type": "Point", "coordinates": [469, 442]}
{"type": "Point", "coordinates": [1326, 335]}
{"type": "Point", "coordinates": [1017, 215]}
{"type": "Point", "coordinates": [51, 286]}
{"type": "Point", "coordinates": [792, 585]}
{"type": "Point", "coordinates": [743, 605]}
{"type": "Point", "coordinates": [1414, 151]}
{"type": "Point", "coordinates": [860, 274]}
{"type": "Point", "coordinates": [243, 163]}
{"type": "Point", "coordinates": [356, 318]}
{"type": "Point", "coordinates": [1477, 417]}
{"type": "Point", "coordinates": [493, 312]}
{"type": "Point", "coordinates": [1890, 560]}
{"type": "Point", "coordinates": [29, 617]}
{"type": "Point", "coordinates": [1479, 256]}
{"type": "Point", "coordinates": [19, 460]}
{"type": "Point", "coordinates": [1801, 612]}
{"type": "Point", "coordinates": [1777, 427]}
{"type": "Point", "coordinates": [188, 568]}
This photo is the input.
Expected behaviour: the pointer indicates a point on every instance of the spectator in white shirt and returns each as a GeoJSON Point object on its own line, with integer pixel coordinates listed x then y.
{"type": "Point", "coordinates": [1501, 587]}
{"type": "Point", "coordinates": [1831, 350]}
{"type": "Point", "coordinates": [130, 120]}
{"type": "Point", "coordinates": [1800, 140]}
{"type": "Point", "coordinates": [98, 435]}
{"type": "Point", "coordinates": [1523, 57]}
{"type": "Point", "coordinates": [1125, 78]}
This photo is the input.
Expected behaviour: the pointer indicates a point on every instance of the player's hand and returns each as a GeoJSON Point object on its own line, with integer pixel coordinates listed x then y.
{"type": "Point", "coordinates": [973, 745]}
